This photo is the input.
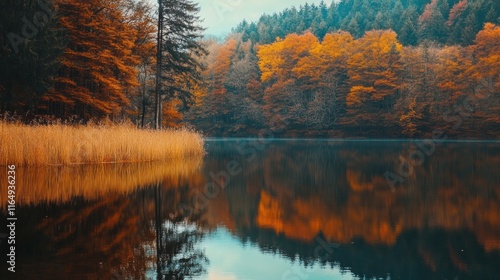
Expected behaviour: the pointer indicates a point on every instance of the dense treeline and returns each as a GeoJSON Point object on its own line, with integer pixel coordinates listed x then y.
{"type": "Point", "coordinates": [387, 68]}
{"type": "Point", "coordinates": [286, 74]}
{"type": "Point", "coordinates": [97, 58]}
{"type": "Point", "coordinates": [444, 21]}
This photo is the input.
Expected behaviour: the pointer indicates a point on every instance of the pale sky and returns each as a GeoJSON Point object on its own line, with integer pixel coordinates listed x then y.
{"type": "Point", "coordinates": [222, 15]}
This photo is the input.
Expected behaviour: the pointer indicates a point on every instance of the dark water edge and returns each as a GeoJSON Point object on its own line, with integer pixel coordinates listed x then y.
{"type": "Point", "coordinates": [491, 133]}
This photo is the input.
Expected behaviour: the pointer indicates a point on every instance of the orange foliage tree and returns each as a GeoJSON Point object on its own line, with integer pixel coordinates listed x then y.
{"type": "Point", "coordinates": [270, 60]}
{"type": "Point", "coordinates": [454, 85]}
{"type": "Point", "coordinates": [98, 65]}
{"type": "Point", "coordinates": [286, 100]}
{"type": "Point", "coordinates": [373, 70]}
{"type": "Point", "coordinates": [142, 18]}
{"type": "Point", "coordinates": [221, 66]}
{"type": "Point", "coordinates": [324, 73]}
{"type": "Point", "coordinates": [485, 71]}
{"type": "Point", "coordinates": [417, 88]}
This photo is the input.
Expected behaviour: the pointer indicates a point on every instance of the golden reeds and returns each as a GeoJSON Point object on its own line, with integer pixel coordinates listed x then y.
{"type": "Point", "coordinates": [60, 144]}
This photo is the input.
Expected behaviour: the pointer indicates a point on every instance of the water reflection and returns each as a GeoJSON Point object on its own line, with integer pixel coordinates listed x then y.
{"type": "Point", "coordinates": [121, 232]}
{"type": "Point", "coordinates": [442, 222]}
{"type": "Point", "coordinates": [177, 256]}
{"type": "Point", "coordinates": [35, 185]}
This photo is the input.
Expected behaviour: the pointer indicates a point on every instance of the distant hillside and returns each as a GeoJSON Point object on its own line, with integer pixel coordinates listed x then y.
{"type": "Point", "coordinates": [443, 21]}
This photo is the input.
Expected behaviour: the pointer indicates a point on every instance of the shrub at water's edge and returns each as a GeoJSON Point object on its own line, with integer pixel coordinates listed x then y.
{"type": "Point", "coordinates": [67, 144]}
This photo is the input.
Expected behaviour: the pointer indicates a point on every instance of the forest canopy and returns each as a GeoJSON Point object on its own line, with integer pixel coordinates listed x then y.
{"type": "Point", "coordinates": [358, 68]}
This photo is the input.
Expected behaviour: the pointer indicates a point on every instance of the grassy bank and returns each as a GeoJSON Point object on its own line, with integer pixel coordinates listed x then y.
{"type": "Point", "coordinates": [55, 144]}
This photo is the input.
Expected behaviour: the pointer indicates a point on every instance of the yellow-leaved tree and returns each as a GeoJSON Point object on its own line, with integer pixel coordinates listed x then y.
{"type": "Point", "coordinates": [486, 72]}
{"type": "Point", "coordinates": [285, 99]}
{"type": "Point", "coordinates": [373, 71]}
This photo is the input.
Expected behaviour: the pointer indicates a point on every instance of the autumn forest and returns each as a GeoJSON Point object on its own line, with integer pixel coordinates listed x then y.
{"type": "Point", "coordinates": [353, 68]}
{"type": "Point", "coordinates": [356, 139]}
{"type": "Point", "coordinates": [358, 69]}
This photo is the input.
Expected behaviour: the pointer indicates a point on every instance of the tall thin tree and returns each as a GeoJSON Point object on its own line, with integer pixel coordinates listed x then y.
{"type": "Point", "coordinates": [179, 49]}
{"type": "Point", "coordinates": [159, 44]}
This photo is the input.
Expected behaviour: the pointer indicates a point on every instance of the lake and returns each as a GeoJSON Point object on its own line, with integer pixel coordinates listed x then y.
{"type": "Point", "coordinates": [250, 209]}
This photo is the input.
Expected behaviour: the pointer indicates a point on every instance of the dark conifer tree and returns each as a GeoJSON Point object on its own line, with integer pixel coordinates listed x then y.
{"type": "Point", "coordinates": [409, 29]}
{"type": "Point", "coordinates": [179, 47]}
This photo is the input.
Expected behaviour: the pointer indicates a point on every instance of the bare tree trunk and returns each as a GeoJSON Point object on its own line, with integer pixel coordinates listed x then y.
{"type": "Point", "coordinates": [160, 110]}
{"type": "Point", "coordinates": [159, 44]}
{"type": "Point", "coordinates": [143, 103]}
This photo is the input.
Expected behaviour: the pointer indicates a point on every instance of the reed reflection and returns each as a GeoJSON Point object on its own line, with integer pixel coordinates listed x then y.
{"type": "Point", "coordinates": [36, 185]}
{"type": "Point", "coordinates": [118, 233]}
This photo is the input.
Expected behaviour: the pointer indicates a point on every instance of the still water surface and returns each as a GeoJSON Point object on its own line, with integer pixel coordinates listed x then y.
{"type": "Point", "coordinates": [294, 209]}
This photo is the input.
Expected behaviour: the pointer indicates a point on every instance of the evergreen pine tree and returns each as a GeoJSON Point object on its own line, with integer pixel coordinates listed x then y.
{"type": "Point", "coordinates": [179, 47]}
{"type": "Point", "coordinates": [492, 16]}
{"type": "Point", "coordinates": [408, 34]}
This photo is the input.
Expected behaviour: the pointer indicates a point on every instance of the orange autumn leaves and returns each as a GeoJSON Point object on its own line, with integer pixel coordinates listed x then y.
{"type": "Point", "coordinates": [373, 67]}
{"type": "Point", "coordinates": [221, 64]}
{"type": "Point", "coordinates": [375, 79]}
{"type": "Point", "coordinates": [487, 55]}
{"type": "Point", "coordinates": [106, 41]}
{"type": "Point", "coordinates": [280, 58]}
{"type": "Point", "coordinates": [348, 76]}
{"type": "Point", "coordinates": [367, 60]}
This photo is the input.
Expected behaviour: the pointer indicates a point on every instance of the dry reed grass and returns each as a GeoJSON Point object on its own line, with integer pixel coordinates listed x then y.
{"type": "Point", "coordinates": [60, 144]}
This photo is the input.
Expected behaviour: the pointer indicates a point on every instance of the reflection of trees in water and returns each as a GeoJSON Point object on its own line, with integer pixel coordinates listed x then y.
{"type": "Point", "coordinates": [291, 193]}
{"type": "Point", "coordinates": [416, 254]}
{"type": "Point", "coordinates": [177, 256]}
{"type": "Point", "coordinates": [113, 237]}
{"type": "Point", "coordinates": [342, 188]}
